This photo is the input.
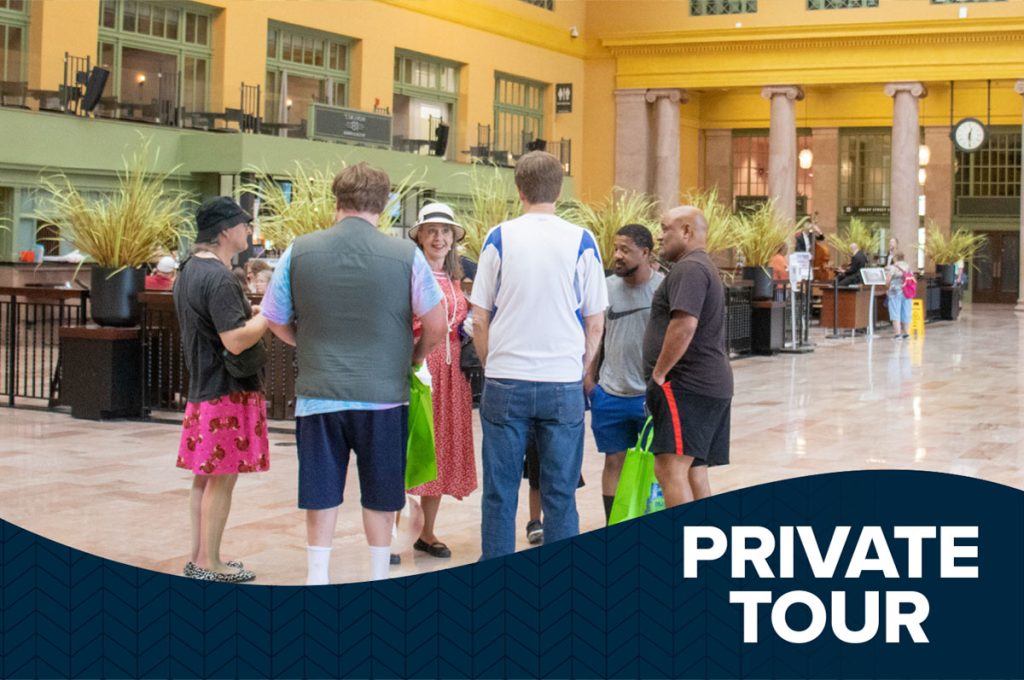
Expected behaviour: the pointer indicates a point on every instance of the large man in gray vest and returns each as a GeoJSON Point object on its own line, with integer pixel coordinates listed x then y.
{"type": "Point", "coordinates": [345, 297]}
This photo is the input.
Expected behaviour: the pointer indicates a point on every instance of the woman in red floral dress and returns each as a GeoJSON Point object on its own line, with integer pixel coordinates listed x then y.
{"type": "Point", "coordinates": [436, 233]}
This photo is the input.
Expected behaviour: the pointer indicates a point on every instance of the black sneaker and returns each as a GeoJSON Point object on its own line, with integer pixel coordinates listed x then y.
{"type": "Point", "coordinates": [535, 531]}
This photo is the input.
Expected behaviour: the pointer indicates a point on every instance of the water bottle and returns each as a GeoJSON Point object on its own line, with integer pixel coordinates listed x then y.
{"type": "Point", "coordinates": [655, 501]}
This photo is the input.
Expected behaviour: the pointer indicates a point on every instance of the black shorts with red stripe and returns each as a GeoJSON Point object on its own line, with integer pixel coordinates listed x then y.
{"type": "Point", "coordinates": [689, 423]}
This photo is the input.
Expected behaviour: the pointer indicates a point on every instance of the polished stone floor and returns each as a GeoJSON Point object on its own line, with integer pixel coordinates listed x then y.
{"type": "Point", "coordinates": [950, 402]}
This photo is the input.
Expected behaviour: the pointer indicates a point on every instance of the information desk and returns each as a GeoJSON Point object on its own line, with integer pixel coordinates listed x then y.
{"type": "Point", "coordinates": [854, 307]}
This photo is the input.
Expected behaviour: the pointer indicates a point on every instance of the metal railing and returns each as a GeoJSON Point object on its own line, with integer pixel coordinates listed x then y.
{"type": "Point", "coordinates": [30, 322]}
{"type": "Point", "coordinates": [166, 377]}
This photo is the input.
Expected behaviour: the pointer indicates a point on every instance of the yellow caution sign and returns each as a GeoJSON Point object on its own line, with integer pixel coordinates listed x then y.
{"type": "Point", "coordinates": [917, 319]}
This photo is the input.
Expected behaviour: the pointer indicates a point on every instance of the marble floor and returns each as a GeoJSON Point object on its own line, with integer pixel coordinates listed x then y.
{"type": "Point", "coordinates": [950, 402]}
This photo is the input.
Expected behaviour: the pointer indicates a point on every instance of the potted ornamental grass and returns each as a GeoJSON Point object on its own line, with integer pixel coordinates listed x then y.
{"type": "Point", "coordinates": [493, 199]}
{"type": "Point", "coordinates": [302, 202]}
{"type": "Point", "coordinates": [946, 251]}
{"type": "Point", "coordinates": [605, 217]}
{"type": "Point", "coordinates": [759, 234]}
{"type": "Point", "coordinates": [867, 236]}
{"type": "Point", "coordinates": [121, 232]}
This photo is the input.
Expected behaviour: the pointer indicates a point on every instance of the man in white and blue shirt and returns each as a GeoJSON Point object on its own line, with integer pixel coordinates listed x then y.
{"type": "Point", "coordinates": [539, 298]}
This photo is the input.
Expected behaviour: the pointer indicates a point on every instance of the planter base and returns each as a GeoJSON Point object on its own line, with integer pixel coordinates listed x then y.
{"type": "Point", "coordinates": [101, 373]}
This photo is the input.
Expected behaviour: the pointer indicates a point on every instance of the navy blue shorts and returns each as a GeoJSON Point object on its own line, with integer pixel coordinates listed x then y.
{"type": "Point", "coordinates": [379, 439]}
{"type": "Point", "coordinates": [615, 421]}
{"type": "Point", "coordinates": [690, 424]}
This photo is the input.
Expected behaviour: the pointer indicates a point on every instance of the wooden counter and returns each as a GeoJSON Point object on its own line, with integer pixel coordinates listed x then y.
{"type": "Point", "coordinates": [854, 307]}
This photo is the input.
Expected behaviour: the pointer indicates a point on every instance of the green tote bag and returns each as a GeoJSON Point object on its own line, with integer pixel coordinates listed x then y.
{"type": "Point", "coordinates": [420, 451]}
{"type": "Point", "coordinates": [638, 493]}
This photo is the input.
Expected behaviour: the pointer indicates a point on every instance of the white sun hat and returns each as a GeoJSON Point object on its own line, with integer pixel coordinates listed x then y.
{"type": "Point", "coordinates": [437, 213]}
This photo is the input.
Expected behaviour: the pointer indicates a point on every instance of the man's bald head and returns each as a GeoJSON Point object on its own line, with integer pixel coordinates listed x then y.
{"type": "Point", "coordinates": [683, 229]}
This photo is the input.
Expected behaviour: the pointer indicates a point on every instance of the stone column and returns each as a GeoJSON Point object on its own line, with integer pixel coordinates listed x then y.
{"type": "Point", "coordinates": [632, 140]}
{"type": "Point", "coordinates": [906, 138]}
{"type": "Point", "coordinates": [782, 147]}
{"type": "Point", "coordinates": [1019, 89]}
{"type": "Point", "coordinates": [825, 183]}
{"type": "Point", "coordinates": [718, 164]}
{"type": "Point", "coordinates": [666, 144]}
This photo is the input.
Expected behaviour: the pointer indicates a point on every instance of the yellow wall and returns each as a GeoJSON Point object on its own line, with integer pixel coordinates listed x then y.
{"type": "Point", "coordinates": [486, 35]}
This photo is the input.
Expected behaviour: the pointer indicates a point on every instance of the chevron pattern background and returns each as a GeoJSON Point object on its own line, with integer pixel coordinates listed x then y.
{"type": "Point", "coordinates": [611, 603]}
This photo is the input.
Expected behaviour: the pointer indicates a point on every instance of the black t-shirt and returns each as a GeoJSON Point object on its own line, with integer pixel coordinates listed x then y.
{"type": "Point", "coordinates": [693, 287]}
{"type": "Point", "coordinates": [209, 300]}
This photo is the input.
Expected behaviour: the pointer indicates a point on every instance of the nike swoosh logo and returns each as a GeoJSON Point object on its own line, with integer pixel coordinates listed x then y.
{"type": "Point", "coordinates": [613, 315]}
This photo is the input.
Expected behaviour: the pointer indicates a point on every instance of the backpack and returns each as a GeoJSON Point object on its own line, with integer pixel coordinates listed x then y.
{"type": "Point", "coordinates": [909, 285]}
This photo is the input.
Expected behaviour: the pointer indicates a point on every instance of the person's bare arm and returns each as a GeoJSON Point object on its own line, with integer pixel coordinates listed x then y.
{"type": "Point", "coordinates": [481, 330]}
{"type": "Point", "coordinates": [242, 338]}
{"type": "Point", "coordinates": [678, 336]}
{"type": "Point", "coordinates": [434, 328]}
{"type": "Point", "coordinates": [284, 332]}
{"type": "Point", "coordinates": [593, 329]}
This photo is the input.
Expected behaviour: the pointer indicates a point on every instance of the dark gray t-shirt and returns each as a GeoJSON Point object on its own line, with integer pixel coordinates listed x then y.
{"type": "Point", "coordinates": [692, 287]}
{"type": "Point", "coordinates": [209, 300]}
{"type": "Point", "coordinates": [629, 308]}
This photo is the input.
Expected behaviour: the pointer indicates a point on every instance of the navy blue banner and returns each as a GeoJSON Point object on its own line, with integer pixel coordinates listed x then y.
{"type": "Point", "coordinates": [829, 559]}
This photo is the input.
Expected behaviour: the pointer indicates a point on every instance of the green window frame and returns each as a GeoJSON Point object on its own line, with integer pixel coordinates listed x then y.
{"type": "Point", "coordinates": [305, 53]}
{"type": "Point", "coordinates": [518, 112]}
{"type": "Point", "coordinates": [840, 4]}
{"type": "Point", "coordinates": [13, 40]}
{"type": "Point", "coordinates": [421, 75]}
{"type": "Point", "coordinates": [183, 30]}
{"type": "Point", "coordinates": [865, 168]}
{"type": "Point", "coordinates": [719, 7]}
{"type": "Point", "coordinates": [987, 182]}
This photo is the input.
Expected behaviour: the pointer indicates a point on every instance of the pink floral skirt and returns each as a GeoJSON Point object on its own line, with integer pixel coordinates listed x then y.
{"type": "Point", "coordinates": [225, 435]}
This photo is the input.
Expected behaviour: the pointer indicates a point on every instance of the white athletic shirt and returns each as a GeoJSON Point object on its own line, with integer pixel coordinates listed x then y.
{"type": "Point", "coordinates": [539, 275]}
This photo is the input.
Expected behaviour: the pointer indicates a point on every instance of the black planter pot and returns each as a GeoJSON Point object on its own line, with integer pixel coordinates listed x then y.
{"type": "Point", "coordinates": [113, 298]}
{"type": "Point", "coordinates": [764, 286]}
{"type": "Point", "coordinates": [947, 274]}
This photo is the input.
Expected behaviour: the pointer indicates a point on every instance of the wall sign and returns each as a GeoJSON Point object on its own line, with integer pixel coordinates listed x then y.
{"type": "Point", "coordinates": [563, 98]}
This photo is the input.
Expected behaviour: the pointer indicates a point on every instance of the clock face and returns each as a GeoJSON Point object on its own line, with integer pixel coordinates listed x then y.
{"type": "Point", "coordinates": [969, 134]}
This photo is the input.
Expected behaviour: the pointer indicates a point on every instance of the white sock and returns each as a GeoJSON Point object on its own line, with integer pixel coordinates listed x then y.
{"type": "Point", "coordinates": [318, 559]}
{"type": "Point", "coordinates": [380, 560]}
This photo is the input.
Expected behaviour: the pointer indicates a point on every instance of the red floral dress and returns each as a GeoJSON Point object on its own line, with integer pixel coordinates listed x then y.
{"type": "Point", "coordinates": [453, 403]}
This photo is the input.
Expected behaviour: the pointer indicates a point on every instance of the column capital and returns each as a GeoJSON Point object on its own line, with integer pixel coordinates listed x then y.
{"type": "Point", "coordinates": [916, 89]}
{"type": "Point", "coordinates": [630, 94]}
{"type": "Point", "coordinates": [1018, 87]}
{"type": "Point", "coordinates": [674, 95]}
{"type": "Point", "coordinates": [788, 91]}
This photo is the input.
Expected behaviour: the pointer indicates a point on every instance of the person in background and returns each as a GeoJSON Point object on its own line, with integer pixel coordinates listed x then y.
{"type": "Point", "coordinates": [253, 268]}
{"type": "Point", "coordinates": [851, 275]}
{"type": "Point", "coordinates": [261, 281]}
{"type": "Point", "coordinates": [436, 232]}
{"type": "Point", "coordinates": [163, 277]}
{"type": "Point", "coordinates": [900, 306]}
{"type": "Point", "coordinates": [224, 431]}
{"type": "Point", "coordinates": [894, 244]}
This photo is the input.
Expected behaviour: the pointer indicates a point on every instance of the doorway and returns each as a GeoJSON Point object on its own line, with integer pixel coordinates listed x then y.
{"type": "Point", "coordinates": [996, 277]}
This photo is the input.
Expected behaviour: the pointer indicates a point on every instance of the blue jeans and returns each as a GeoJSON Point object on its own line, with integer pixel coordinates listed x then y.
{"type": "Point", "coordinates": [507, 411]}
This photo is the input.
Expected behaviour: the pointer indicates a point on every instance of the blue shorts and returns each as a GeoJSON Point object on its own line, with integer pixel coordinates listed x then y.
{"type": "Point", "coordinates": [615, 421]}
{"type": "Point", "coordinates": [379, 439]}
{"type": "Point", "coordinates": [900, 308]}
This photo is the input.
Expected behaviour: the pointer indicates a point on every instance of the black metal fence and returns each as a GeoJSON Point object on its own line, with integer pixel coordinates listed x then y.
{"type": "Point", "coordinates": [166, 376]}
{"type": "Point", "coordinates": [30, 322]}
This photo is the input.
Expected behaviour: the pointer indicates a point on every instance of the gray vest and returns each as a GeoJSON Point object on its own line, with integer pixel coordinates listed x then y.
{"type": "Point", "coordinates": [351, 286]}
